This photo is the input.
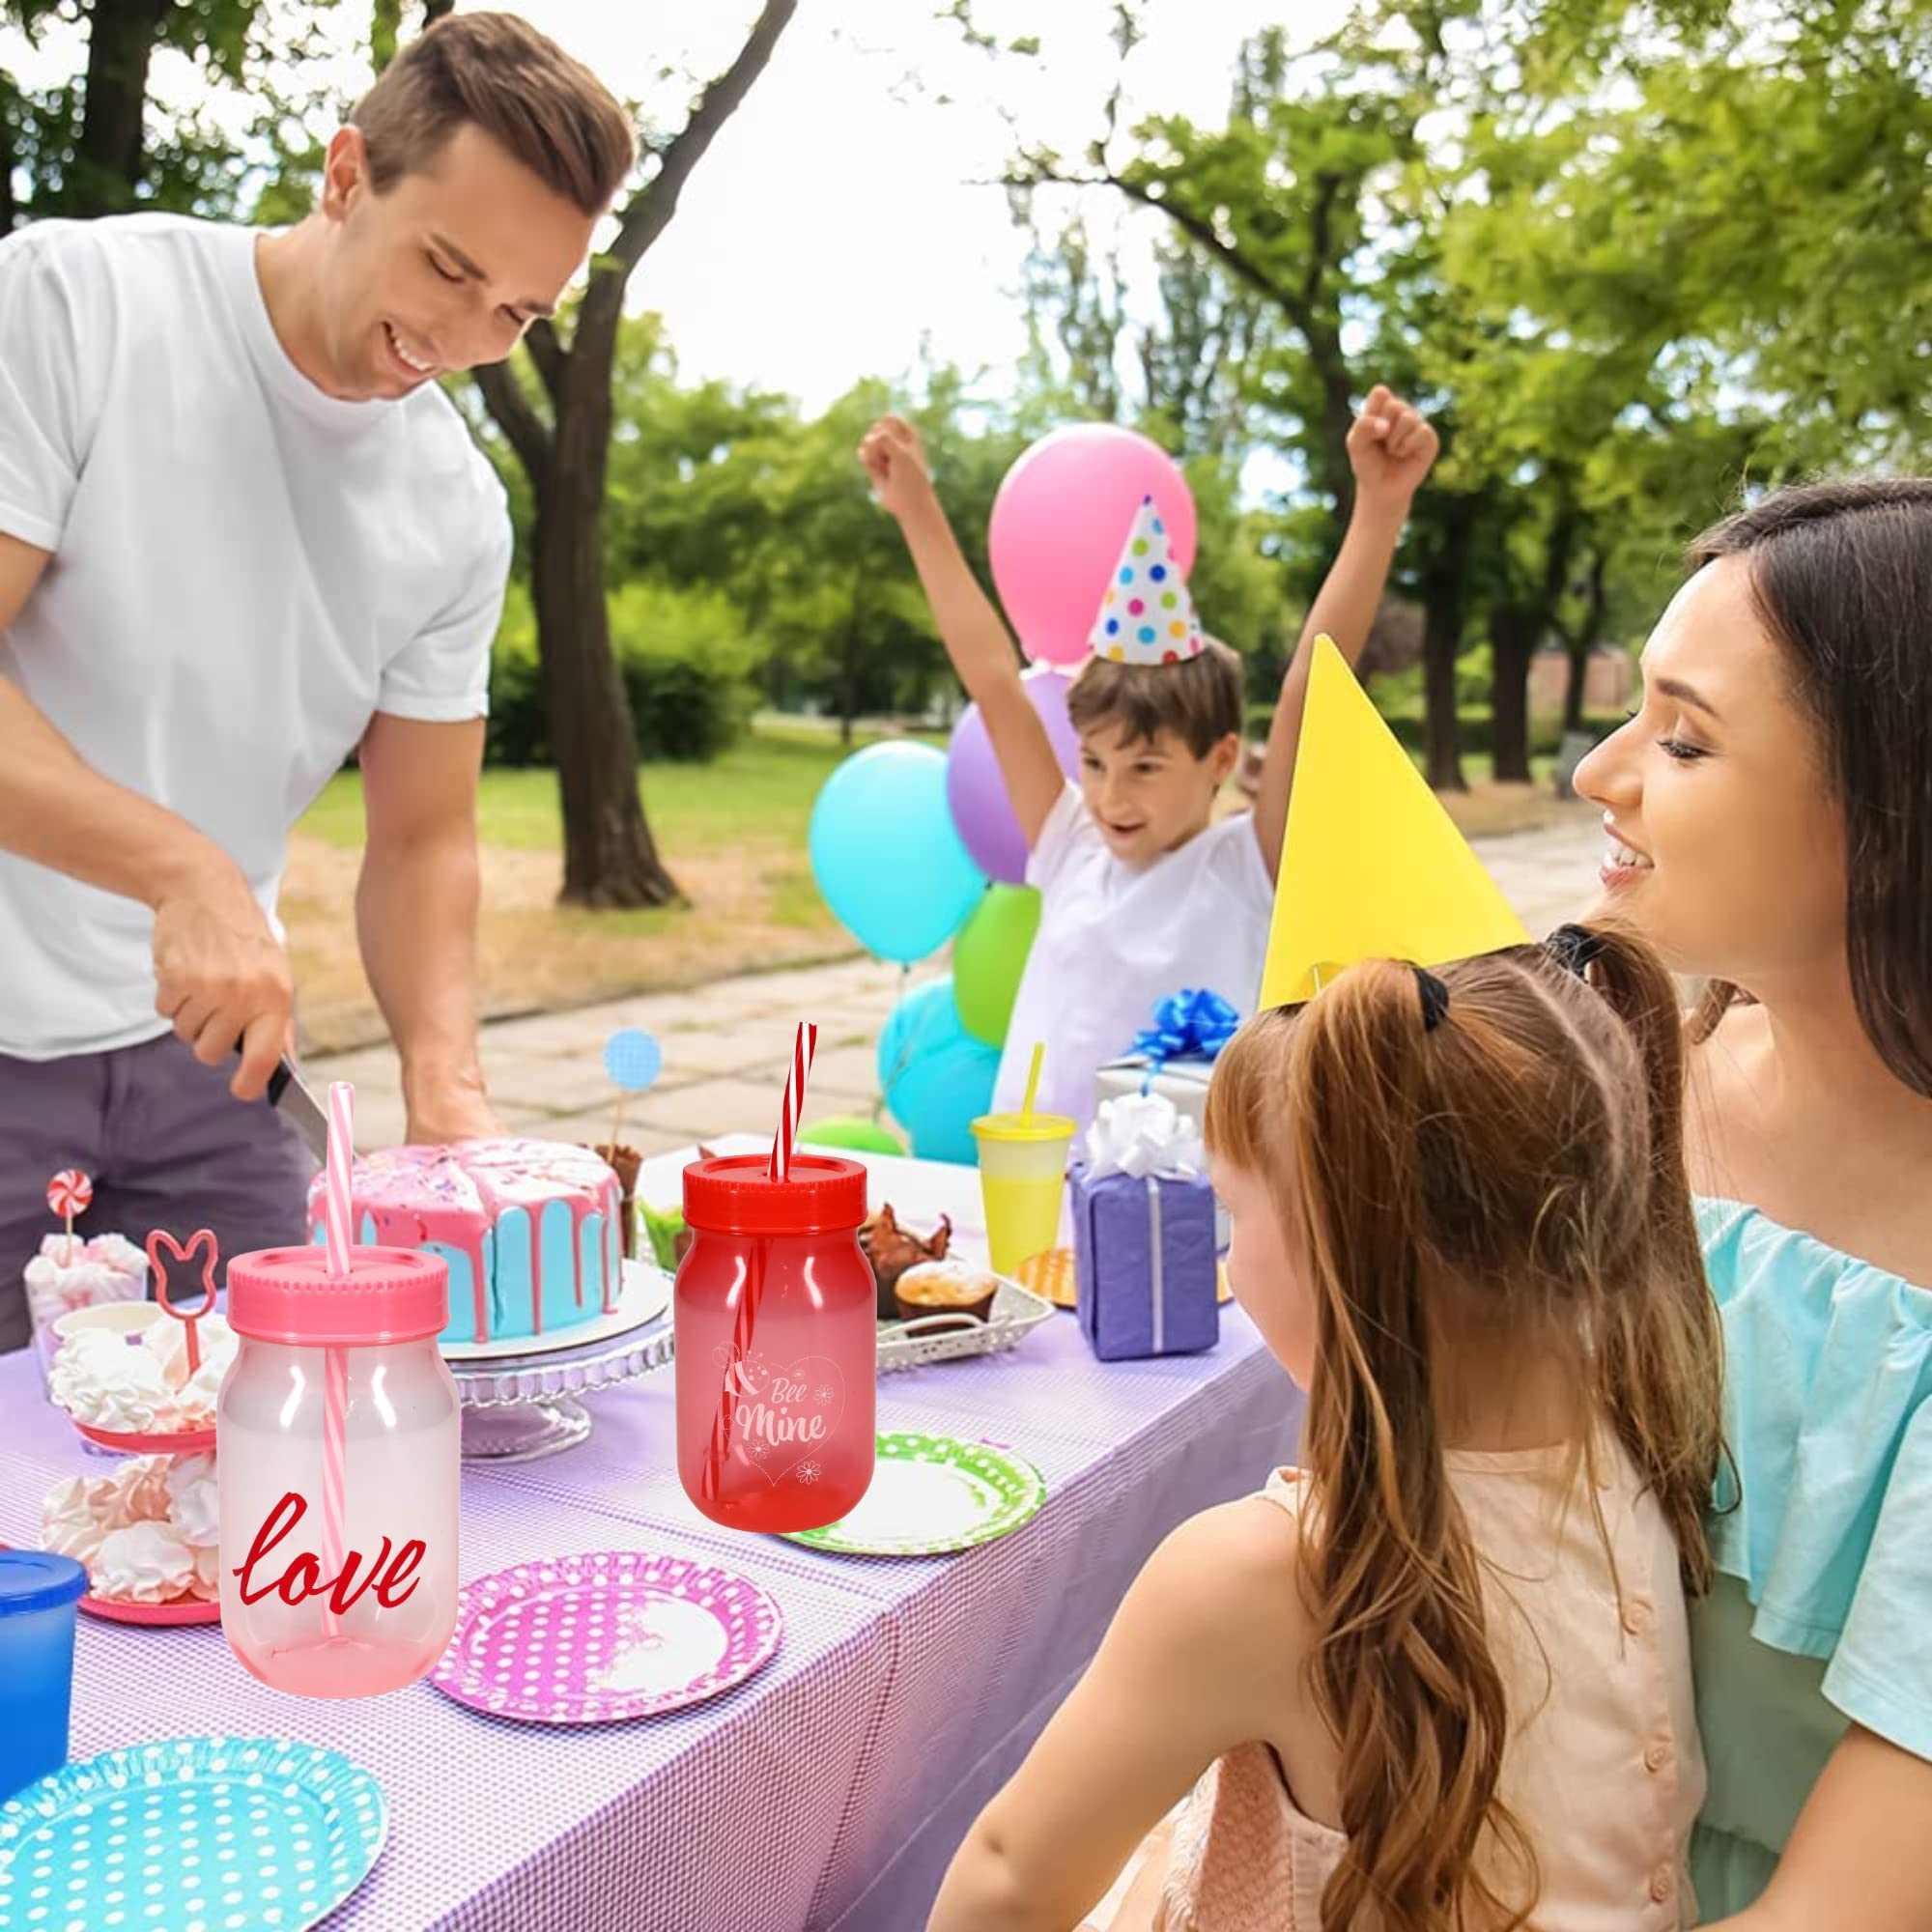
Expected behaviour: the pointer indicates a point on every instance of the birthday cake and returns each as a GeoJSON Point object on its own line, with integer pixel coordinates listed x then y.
{"type": "Point", "coordinates": [532, 1229]}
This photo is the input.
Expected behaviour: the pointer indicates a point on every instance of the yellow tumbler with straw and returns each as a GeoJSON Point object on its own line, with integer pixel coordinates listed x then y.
{"type": "Point", "coordinates": [1023, 1176]}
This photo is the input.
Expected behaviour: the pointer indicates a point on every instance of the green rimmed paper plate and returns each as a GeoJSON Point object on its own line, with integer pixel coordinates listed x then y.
{"type": "Point", "coordinates": [932, 1496]}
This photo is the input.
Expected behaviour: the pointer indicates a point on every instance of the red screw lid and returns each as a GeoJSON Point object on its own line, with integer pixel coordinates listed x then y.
{"type": "Point", "coordinates": [734, 1194]}
{"type": "Point", "coordinates": [288, 1294]}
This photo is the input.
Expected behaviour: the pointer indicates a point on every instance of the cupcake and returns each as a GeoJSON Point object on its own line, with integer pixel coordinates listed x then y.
{"type": "Point", "coordinates": [891, 1250]}
{"type": "Point", "coordinates": [945, 1288]}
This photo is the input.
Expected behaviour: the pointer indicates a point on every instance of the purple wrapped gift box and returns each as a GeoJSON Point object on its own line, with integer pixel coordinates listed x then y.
{"type": "Point", "coordinates": [1145, 1264]}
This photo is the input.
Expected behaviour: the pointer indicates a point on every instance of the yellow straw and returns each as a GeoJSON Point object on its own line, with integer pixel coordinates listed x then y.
{"type": "Point", "coordinates": [1032, 1082]}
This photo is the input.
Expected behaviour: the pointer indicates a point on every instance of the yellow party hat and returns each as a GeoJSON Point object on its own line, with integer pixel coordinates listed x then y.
{"type": "Point", "coordinates": [1373, 867]}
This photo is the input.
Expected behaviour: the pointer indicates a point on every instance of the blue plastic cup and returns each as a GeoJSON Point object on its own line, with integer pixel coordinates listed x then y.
{"type": "Point", "coordinates": [38, 1594]}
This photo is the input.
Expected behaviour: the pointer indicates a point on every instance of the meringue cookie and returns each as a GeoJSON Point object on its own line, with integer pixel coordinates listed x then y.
{"type": "Point", "coordinates": [207, 1583]}
{"type": "Point", "coordinates": [73, 1516]}
{"type": "Point", "coordinates": [166, 1340]}
{"type": "Point", "coordinates": [194, 1503]}
{"type": "Point", "coordinates": [129, 1405]}
{"type": "Point", "coordinates": [114, 1251]}
{"type": "Point", "coordinates": [100, 1381]}
{"type": "Point", "coordinates": [145, 1563]}
{"type": "Point", "coordinates": [137, 1492]}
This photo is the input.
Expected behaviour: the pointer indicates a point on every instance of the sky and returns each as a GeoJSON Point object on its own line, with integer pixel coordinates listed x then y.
{"type": "Point", "coordinates": [842, 223]}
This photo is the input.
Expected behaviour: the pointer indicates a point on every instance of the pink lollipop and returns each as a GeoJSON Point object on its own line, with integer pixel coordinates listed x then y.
{"type": "Point", "coordinates": [69, 1193]}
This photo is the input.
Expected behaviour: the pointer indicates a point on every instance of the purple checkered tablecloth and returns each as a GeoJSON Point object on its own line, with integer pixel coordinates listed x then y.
{"type": "Point", "coordinates": [831, 1790]}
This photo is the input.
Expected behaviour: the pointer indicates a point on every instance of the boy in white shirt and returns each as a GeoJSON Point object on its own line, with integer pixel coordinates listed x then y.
{"type": "Point", "coordinates": [1143, 893]}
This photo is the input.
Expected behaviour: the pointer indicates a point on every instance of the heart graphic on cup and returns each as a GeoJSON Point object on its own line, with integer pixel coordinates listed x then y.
{"type": "Point", "coordinates": [781, 1417]}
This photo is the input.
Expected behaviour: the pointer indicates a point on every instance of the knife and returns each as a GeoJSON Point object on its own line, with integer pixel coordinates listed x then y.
{"type": "Point", "coordinates": [300, 1108]}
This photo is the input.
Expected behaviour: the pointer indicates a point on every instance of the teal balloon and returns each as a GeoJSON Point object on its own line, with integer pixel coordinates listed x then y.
{"type": "Point", "coordinates": [988, 957]}
{"type": "Point", "coordinates": [936, 1077]}
{"type": "Point", "coordinates": [849, 1134]}
{"type": "Point", "coordinates": [886, 853]}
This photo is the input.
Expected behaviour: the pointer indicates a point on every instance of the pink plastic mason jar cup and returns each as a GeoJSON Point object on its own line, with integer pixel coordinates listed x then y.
{"type": "Point", "coordinates": [370, 1608]}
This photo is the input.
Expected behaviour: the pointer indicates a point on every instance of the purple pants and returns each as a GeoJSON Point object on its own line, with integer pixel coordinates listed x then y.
{"type": "Point", "coordinates": [167, 1146]}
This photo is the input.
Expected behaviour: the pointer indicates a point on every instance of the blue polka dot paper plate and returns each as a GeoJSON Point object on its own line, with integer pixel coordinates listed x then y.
{"type": "Point", "coordinates": [189, 1835]}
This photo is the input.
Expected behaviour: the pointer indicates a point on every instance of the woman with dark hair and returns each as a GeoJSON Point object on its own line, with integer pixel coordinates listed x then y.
{"type": "Point", "coordinates": [1770, 818]}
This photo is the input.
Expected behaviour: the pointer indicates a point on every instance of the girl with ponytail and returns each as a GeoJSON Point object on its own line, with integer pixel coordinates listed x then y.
{"type": "Point", "coordinates": [1437, 1678]}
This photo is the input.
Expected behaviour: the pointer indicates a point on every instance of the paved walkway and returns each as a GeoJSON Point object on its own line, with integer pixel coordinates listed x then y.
{"type": "Point", "coordinates": [726, 1046]}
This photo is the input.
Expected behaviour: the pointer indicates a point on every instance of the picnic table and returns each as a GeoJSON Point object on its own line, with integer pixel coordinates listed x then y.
{"type": "Point", "coordinates": [830, 1789]}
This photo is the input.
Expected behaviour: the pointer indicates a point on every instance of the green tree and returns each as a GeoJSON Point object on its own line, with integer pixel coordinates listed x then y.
{"type": "Point", "coordinates": [95, 146]}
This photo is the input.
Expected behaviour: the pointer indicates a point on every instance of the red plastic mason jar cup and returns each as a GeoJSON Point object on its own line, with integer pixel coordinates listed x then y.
{"type": "Point", "coordinates": [775, 1313]}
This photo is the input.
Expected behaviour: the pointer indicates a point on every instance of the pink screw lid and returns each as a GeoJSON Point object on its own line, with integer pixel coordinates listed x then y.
{"type": "Point", "coordinates": [287, 1294]}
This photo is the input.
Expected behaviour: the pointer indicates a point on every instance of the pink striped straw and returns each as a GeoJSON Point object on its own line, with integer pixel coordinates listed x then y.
{"type": "Point", "coordinates": [778, 1170]}
{"type": "Point", "coordinates": [336, 1202]}
{"type": "Point", "coordinates": [336, 1365]}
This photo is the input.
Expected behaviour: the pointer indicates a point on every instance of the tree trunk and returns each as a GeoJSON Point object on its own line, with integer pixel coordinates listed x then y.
{"type": "Point", "coordinates": [850, 662]}
{"type": "Point", "coordinates": [609, 857]}
{"type": "Point", "coordinates": [1513, 634]}
{"type": "Point", "coordinates": [107, 161]}
{"type": "Point", "coordinates": [1337, 419]}
{"type": "Point", "coordinates": [1444, 603]}
{"type": "Point", "coordinates": [1582, 643]}
{"type": "Point", "coordinates": [1442, 641]}
{"type": "Point", "coordinates": [1515, 629]}
{"type": "Point", "coordinates": [10, 105]}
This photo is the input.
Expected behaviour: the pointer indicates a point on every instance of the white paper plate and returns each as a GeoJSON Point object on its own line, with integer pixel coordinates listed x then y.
{"type": "Point", "coordinates": [933, 1494]}
{"type": "Point", "coordinates": [645, 1297]}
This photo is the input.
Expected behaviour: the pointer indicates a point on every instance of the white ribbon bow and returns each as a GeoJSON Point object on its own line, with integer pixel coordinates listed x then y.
{"type": "Point", "coordinates": [1141, 1135]}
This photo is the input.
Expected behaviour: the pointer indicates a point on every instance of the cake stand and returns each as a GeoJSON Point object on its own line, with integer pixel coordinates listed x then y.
{"type": "Point", "coordinates": [521, 1407]}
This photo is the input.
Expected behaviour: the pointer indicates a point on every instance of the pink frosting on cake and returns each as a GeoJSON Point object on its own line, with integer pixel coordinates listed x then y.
{"type": "Point", "coordinates": [456, 1195]}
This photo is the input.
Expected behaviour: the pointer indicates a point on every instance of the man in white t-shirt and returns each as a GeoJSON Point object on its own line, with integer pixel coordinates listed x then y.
{"type": "Point", "coordinates": [242, 534]}
{"type": "Point", "coordinates": [1144, 891]}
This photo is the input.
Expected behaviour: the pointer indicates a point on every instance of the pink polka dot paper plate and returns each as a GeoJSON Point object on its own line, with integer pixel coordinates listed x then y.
{"type": "Point", "coordinates": [599, 1638]}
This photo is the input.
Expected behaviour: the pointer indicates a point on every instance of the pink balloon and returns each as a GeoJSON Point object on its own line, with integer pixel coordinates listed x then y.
{"type": "Point", "coordinates": [976, 791]}
{"type": "Point", "coordinates": [1061, 521]}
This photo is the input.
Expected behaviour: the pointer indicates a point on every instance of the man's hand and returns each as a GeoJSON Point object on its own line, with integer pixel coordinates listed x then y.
{"type": "Point", "coordinates": [1390, 451]}
{"type": "Point", "coordinates": [895, 459]}
{"type": "Point", "coordinates": [223, 978]}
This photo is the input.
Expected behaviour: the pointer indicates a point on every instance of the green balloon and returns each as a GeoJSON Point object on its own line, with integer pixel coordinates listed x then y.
{"type": "Point", "coordinates": [988, 957]}
{"type": "Point", "coordinates": [852, 1135]}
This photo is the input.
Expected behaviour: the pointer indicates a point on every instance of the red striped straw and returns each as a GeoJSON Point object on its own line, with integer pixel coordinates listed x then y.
{"type": "Point", "coordinates": [786, 1138]}
{"type": "Point", "coordinates": [778, 1170]}
{"type": "Point", "coordinates": [336, 1365]}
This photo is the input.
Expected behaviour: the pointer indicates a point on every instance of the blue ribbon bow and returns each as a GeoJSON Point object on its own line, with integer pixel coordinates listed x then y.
{"type": "Point", "coordinates": [1194, 1024]}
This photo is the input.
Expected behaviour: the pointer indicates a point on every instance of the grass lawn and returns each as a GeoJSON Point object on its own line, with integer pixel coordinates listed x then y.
{"type": "Point", "coordinates": [732, 834]}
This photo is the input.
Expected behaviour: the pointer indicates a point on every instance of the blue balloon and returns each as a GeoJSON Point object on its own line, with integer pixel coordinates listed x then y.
{"type": "Point", "coordinates": [633, 1058]}
{"type": "Point", "coordinates": [936, 1077]}
{"type": "Point", "coordinates": [887, 855]}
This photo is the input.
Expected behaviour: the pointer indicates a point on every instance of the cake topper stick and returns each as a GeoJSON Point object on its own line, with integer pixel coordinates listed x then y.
{"type": "Point", "coordinates": [162, 1247]}
{"type": "Point", "coordinates": [633, 1060]}
{"type": "Point", "coordinates": [335, 1360]}
{"type": "Point", "coordinates": [70, 1192]}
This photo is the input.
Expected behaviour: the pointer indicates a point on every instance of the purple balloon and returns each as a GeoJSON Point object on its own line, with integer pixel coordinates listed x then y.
{"type": "Point", "coordinates": [976, 791]}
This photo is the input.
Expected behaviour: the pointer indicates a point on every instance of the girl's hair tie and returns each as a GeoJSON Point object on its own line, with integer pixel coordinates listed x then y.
{"type": "Point", "coordinates": [1434, 999]}
{"type": "Point", "coordinates": [1574, 948]}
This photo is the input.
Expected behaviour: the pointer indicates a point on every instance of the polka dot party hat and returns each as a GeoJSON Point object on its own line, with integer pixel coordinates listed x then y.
{"type": "Point", "coordinates": [1147, 616]}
